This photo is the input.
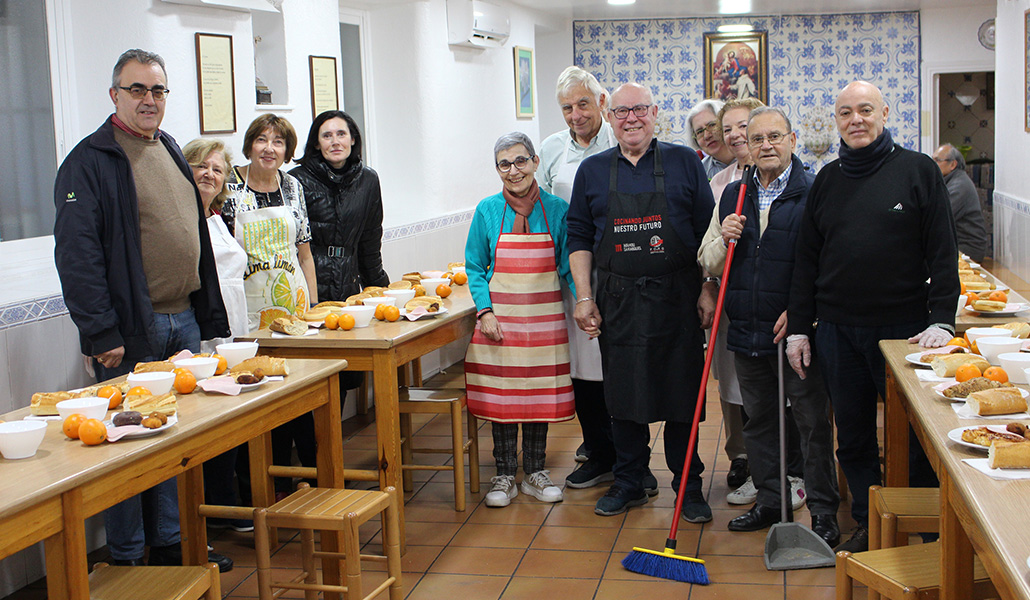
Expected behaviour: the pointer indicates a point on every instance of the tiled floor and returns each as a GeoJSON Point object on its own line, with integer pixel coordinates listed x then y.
{"type": "Point", "coordinates": [532, 550]}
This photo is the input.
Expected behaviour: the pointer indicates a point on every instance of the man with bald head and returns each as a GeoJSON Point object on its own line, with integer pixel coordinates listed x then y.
{"type": "Point", "coordinates": [876, 227]}
{"type": "Point", "coordinates": [638, 214]}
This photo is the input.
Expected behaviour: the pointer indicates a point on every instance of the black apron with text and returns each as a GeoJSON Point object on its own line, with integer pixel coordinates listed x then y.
{"type": "Point", "coordinates": [648, 285]}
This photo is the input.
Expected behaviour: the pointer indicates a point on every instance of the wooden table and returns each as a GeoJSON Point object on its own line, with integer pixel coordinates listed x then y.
{"type": "Point", "coordinates": [382, 348]}
{"type": "Point", "coordinates": [966, 319]}
{"type": "Point", "coordinates": [47, 497]}
{"type": "Point", "coordinates": [978, 514]}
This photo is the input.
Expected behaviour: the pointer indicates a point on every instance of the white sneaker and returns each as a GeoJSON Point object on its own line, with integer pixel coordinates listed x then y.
{"type": "Point", "coordinates": [540, 486]}
{"type": "Point", "coordinates": [797, 492]}
{"type": "Point", "coordinates": [502, 492]}
{"type": "Point", "coordinates": [745, 494]}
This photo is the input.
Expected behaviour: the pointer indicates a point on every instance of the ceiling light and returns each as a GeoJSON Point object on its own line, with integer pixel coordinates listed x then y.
{"type": "Point", "coordinates": [736, 28]}
{"type": "Point", "coordinates": [621, 2]}
{"type": "Point", "coordinates": [734, 7]}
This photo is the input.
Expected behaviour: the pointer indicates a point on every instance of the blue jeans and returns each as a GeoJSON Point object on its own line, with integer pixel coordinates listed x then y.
{"type": "Point", "coordinates": [152, 517]}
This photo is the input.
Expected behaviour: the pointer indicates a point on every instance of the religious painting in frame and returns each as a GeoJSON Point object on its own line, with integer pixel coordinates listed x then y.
{"type": "Point", "coordinates": [737, 65]}
{"type": "Point", "coordinates": [525, 98]}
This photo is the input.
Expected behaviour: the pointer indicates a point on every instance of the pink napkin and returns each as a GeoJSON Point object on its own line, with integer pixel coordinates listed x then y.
{"type": "Point", "coordinates": [220, 385]}
{"type": "Point", "coordinates": [116, 433]}
{"type": "Point", "coordinates": [418, 312]}
{"type": "Point", "coordinates": [181, 355]}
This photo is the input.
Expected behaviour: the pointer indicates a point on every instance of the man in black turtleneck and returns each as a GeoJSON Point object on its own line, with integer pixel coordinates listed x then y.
{"type": "Point", "coordinates": [877, 225]}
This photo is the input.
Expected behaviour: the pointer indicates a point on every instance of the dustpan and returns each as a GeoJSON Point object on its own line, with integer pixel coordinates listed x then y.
{"type": "Point", "coordinates": [789, 545]}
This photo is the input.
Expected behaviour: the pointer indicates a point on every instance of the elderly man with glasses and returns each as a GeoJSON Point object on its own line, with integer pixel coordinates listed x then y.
{"type": "Point", "coordinates": [137, 270]}
{"type": "Point", "coordinates": [970, 227]}
{"type": "Point", "coordinates": [638, 213]}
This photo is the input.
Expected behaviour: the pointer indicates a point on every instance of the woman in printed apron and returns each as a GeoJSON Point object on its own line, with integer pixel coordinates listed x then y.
{"type": "Point", "coordinates": [265, 211]}
{"type": "Point", "coordinates": [517, 365]}
{"type": "Point", "coordinates": [210, 162]}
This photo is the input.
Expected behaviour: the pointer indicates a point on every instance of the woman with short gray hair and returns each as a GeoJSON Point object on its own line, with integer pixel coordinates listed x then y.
{"type": "Point", "coordinates": [517, 365]}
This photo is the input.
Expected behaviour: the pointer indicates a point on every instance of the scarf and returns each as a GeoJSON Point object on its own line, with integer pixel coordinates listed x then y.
{"type": "Point", "coordinates": [522, 206]}
{"type": "Point", "coordinates": [865, 161]}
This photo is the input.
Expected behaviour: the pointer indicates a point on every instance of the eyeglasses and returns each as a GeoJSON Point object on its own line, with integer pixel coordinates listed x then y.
{"type": "Point", "coordinates": [773, 138]}
{"type": "Point", "coordinates": [139, 92]}
{"type": "Point", "coordinates": [520, 163]}
{"type": "Point", "coordinates": [712, 128]}
{"type": "Point", "coordinates": [640, 110]}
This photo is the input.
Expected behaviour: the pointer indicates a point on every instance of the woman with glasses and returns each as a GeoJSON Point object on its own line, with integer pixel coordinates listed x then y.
{"type": "Point", "coordinates": [517, 365]}
{"type": "Point", "coordinates": [732, 119]}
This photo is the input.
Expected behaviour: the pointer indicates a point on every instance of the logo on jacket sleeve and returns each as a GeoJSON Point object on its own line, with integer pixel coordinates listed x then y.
{"type": "Point", "coordinates": [898, 208]}
{"type": "Point", "coordinates": [71, 197]}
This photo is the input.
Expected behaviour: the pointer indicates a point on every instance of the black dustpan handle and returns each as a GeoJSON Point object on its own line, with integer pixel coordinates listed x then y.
{"type": "Point", "coordinates": [784, 501]}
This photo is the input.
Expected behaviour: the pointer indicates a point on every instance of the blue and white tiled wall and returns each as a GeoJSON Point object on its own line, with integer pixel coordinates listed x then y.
{"type": "Point", "coordinates": [811, 57]}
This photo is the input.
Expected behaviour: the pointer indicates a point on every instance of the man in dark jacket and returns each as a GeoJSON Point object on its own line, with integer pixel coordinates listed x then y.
{"type": "Point", "coordinates": [970, 227]}
{"type": "Point", "coordinates": [137, 270]}
{"type": "Point", "coordinates": [756, 304]}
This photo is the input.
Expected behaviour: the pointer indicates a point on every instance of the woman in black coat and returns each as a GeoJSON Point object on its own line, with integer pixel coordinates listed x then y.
{"type": "Point", "coordinates": [345, 208]}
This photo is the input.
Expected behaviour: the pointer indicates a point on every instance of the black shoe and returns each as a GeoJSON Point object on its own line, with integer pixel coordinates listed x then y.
{"type": "Point", "coordinates": [759, 517]}
{"type": "Point", "coordinates": [650, 484]}
{"type": "Point", "coordinates": [859, 541]}
{"type": "Point", "coordinates": [582, 454]}
{"type": "Point", "coordinates": [738, 473]}
{"type": "Point", "coordinates": [695, 507]}
{"type": "Point", "coordinates": [618, 500]}
{"type": "Point", "coordinates": [825, 526]}
{"type": "Point", "coordinates": [129, 562]}
{"type": "Point", "coordinates": [589, 474]}
{"type": "Point", "coordinates": [224, 562]}
{"type": "Point", "coordinates": [166, 556]}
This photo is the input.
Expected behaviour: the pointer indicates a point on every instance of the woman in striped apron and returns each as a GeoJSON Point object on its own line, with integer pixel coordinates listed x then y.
{"type": "Point", "coordinates": [517, 366]}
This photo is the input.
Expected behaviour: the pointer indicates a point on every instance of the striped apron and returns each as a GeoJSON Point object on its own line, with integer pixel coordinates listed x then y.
{"type": "Point", "coordinates": [524, 378]}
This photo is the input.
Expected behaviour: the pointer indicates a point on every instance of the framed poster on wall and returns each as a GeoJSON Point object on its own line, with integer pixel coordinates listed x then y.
{"type": "Point", "coordinates": [216, 89]}
{"type": "Point", "coordinates": [324, 93]}
{"type": "Point", "coordinates": [525, 98]}
{"type": "Point", "coordinates": [736, 65]}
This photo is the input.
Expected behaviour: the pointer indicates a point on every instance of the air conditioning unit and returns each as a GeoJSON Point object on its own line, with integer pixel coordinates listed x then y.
{"type": "Point", "coordinates": [477, 24]}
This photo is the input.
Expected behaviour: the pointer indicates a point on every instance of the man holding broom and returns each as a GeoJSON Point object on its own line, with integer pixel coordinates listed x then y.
{"type": "Point", "coordinates": [637, 214]}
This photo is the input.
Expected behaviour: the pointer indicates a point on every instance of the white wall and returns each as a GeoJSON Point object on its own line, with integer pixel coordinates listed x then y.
{"type": "Point", "coordinates": [949, 45]}
{"type": "Point", "coordinates": [553, 55]}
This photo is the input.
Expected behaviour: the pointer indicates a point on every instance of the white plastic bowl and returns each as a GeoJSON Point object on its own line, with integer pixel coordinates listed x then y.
{"type": "Point", "coordinates": [431, 284]}
{"type": "Point", "coordinates": [991, 347]}
{"type": "Point", "coordinates": [158, 383]}
{"type": "Point", "coordinates": [21, 439]}
{"type": "Point", "coordinates": [458, 270]}
{"type": "Point", "coordinates": [202, 367]}
{"type": "Point", "coordinates": [237, 352]}
{"type": "Point", "coordinates": [362, 314]}
{"type": "Point", "coordinates": [91, 407]}
{"type": "Point", "coordinates": [402, 296]}
{"type": "Point", "coordinates": [387, 300]}
{"type": "Point", "coordinates": [976, 333]}
{"type": "Point", "coordinates": [1015, 364]}
{"type": "Point", "coordinates": [431, 274]}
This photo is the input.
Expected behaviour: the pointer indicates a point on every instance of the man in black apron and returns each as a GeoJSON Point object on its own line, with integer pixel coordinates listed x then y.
{"type": "Point", "coordinates": [638, 213]}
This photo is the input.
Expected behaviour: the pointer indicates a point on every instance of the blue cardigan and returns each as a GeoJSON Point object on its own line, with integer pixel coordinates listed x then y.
{"type": "Point", "coordinates": [486, 228]}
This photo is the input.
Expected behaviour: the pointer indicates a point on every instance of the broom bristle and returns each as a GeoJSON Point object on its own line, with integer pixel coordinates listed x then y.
{"type": "Point", "coordinates": [666, 566]}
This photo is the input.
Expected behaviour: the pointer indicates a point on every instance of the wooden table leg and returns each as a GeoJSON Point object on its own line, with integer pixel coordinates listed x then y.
{"type": "Point", "coordinates": [192, 531]}
{"type": "Point", "coordinates": [384, 366]}
{"type": "Point", "coordinates": [956, 549]}
{"type": "Point", "coordinates": [895, 435]}
{"type": "Point", "coordinates": [262, 488]}
{"type": "Point", "coordinates": [66, 564]}
{"type": "Point", "coordinates": [329, 437]}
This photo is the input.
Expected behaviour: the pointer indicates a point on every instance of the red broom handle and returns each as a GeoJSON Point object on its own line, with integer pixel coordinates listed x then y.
{"type": "Point", "coordinates": [702, 392]}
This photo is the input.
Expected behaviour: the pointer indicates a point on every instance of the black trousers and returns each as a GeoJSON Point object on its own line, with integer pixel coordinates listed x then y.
{"type": "Point", "coordinates": [594, 420]}
{"type": "Point", "coordinates": [633, 454]}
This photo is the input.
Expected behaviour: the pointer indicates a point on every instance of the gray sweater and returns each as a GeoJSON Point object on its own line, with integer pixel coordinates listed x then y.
{"type": "Point", "coordinates": [970, 228]}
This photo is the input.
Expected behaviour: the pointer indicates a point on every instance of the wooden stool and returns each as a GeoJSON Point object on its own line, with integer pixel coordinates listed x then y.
{"type": "Point", "coordinates": [155, 583]}
{"type": "Point", "coordinates": [896, 512]}
{"type": "Point", "coordinates": [441, 402]}
{"type": "Point", "coordinates": [325, 509]}
{"type": "Point", "coordinates": [902, 572]}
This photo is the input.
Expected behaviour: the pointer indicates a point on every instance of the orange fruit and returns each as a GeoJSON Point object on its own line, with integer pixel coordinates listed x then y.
{"type": "Point", "coordinates": [113, 395]}
{"type": "Point", "coordinates": [71, 425]}
{"type": "Point", "coordinates": [967, 372]}
{"type": "Point", "coordinates": [180, 370]}
{"type": "Point", "coordinates": [222, 364]}
{"type": "Point", "coordinates": [139, 390]}
{"type": "Point", "coordinates": [379, 311]}
{"type": "Point", "coordinates": [962, 287]}
{"type": "Point", "coordinates": [443, 290]}
{"type": "Point", "coordinates": [998, 296]}
{"type": "Point", "coordinates": [996, 374]}
{"type": "Point", "coordinates": [957, 341]}
{"type": "Point", "coordinates": [975, 349]}
{"type": "Point", "coordinates": [92, 432]}
{"type": "Point", "coordinates": [460, 278]}
{"type": "Point", "coordinates": [419, 290]}
{"type": "Point", "coordinates": [971, 297]}
{"type": "Point", "coordinates": [185, 383]}
{"type": "Point", "coordinates": [332, 321]}
{"type": "Point", "coordinates": [392, 313]}
{"type": "Point", "coordinates": [346, 322]}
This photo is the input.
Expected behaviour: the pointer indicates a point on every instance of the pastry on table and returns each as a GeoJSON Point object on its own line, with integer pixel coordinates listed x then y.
{"type": "Point", "coordinates": [269, 365]}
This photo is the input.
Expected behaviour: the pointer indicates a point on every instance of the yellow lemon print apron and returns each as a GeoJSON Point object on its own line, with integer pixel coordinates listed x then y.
{"type": "Point", "coordinates": [273, 281]}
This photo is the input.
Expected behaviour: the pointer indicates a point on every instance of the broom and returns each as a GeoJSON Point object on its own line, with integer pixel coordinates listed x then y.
{"type": "Point", "coordinates": [667, 564]}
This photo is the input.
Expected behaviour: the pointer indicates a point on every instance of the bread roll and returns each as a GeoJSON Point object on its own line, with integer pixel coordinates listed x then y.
{"type": "Point", "coordinates": [289, 325]}
{"type": "Point", "coordinates": [988, 306]}
{"type": "Point", "coordinates": [413, 277]}
{"type": "Point", "coordinates": [452, 265]}
{"type": "Point", "coordinates": [928, 356]}
{"type": "Point", "coordinates": [430, 303]}
{"type": "Point", "coordinates": [1008, 455]}
{"type": "Point", "coordinates": [164, 404]}
{"type": "Point", "coordinates": [401, 285]}
{"type": "Point", "coordinates": [330, 304]}
{"type": "Point", "coordinates": [356, 299]}
{"type": "Point", "coordinates": [1019, 329]}
{"type": "Point", "coordinates": [269, 365]}
{"type": "Point", "coordinates": [982, 436]}
{"type": "Point", "coordinates": [375, 291]}
{"type": "Point", "coordinates": [45, 403]}
{"type": "Point", "coordinates": [945, 366]}
{"type": "Point", "coordinates": [998, 401]}
{"type": "Point", "coordinates": [154, 367]}
{"type": "Point", "coordinates": [316, 315]}
{"type": "Point", "coordinates": [976, 384]}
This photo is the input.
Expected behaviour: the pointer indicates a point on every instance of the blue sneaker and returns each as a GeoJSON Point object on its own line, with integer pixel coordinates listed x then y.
{"type": "Point", "coordinates": [650, 484]}
{"type": "Point", "coordinates": [618, 500]}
